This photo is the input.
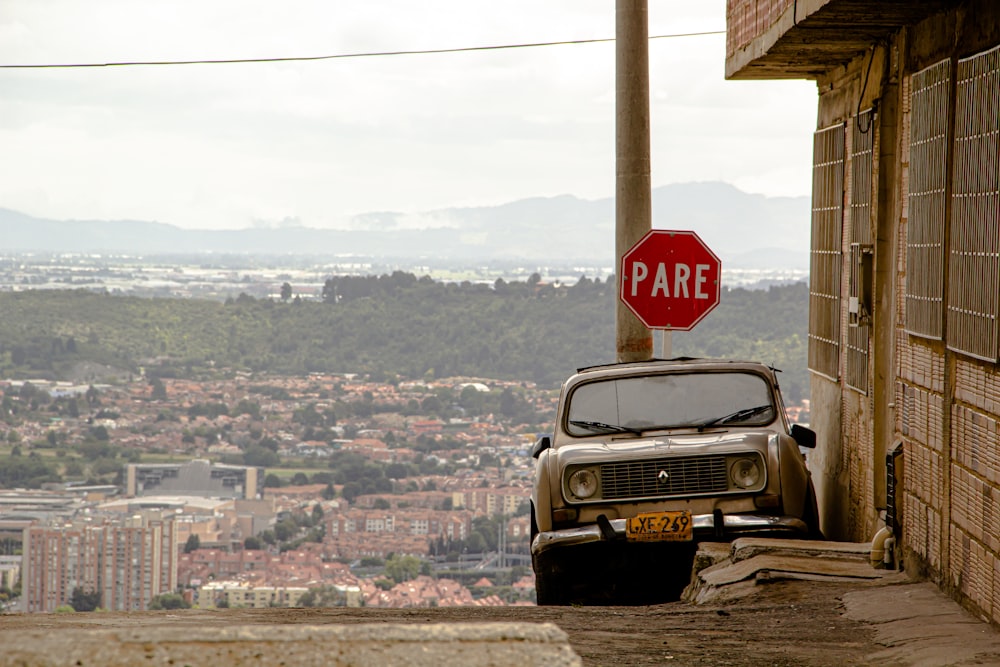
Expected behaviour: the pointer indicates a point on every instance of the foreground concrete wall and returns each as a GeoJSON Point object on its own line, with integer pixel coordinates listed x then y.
{"type": "Point", "coordinates": [365, 645]}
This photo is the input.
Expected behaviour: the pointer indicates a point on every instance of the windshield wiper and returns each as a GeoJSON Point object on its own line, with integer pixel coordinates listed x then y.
{"type": "Point", "coordinates": [745, 413]}
{"type": "Point", "coordinates": [601, 426]}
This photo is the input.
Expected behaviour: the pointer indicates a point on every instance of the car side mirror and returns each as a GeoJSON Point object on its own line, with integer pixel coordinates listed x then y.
{"type": "Point", "coordinates": [804, 437]}
{"type": "Point", "coordinates": [543, 443]}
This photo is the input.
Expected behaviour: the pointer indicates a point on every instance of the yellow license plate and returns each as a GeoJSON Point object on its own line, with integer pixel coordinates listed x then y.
{"type": "Point", "coordinates": [660, 527]}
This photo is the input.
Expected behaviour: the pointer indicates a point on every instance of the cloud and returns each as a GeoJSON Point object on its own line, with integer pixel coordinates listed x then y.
{"type": "Point", "coordinates": [228, 146]}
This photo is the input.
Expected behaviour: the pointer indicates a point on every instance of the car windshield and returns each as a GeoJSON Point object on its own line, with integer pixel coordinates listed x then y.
{"type": "Point", "coordinates": [650, 402]}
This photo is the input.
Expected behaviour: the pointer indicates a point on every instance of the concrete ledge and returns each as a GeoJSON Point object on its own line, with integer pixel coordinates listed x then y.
{"type": "Point", "coordinates": [748, 547]}
{"type": "Point", "coordinates": [362, 645]}
{"type": "Point", "coordinates": [817, 568]}
{"type": "Point", "coordinates": [724, 571]}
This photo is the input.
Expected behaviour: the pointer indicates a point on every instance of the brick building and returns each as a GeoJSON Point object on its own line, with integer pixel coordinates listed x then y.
{"type": "Point", "coordinates": [491, 501]}
{"type": "Point", "coordinates": [238, 594]}
{"type": "Point", "coordinates": [356, 533]}
{"type": "Point", "coordinates": [905, 269]}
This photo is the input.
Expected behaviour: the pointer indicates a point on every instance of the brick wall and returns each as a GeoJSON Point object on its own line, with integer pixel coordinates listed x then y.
{"type": "Point", "coordinates": [919, 401]}
{"type": "Point", "coordinates": [947, 417]}
{"type": "Point", "coordinates": [857, 435]}
{"type": "Point", "coordinates": [974, 567]}
{"type": "Point", "coordinates": [748, 19]}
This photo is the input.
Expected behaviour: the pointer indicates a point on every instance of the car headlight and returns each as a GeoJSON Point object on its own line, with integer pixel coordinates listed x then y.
{"type": "Point", "coordinates": [583, 483]}
{"type": "Point", "coordinates": [745, 473]}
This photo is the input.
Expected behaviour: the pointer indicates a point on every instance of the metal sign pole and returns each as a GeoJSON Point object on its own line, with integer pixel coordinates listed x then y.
{"type": "Point", "coordinates": [666, 343]}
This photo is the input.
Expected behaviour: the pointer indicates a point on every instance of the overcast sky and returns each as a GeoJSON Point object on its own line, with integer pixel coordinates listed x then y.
{"type": "Point", "coordinates": [314, 143]}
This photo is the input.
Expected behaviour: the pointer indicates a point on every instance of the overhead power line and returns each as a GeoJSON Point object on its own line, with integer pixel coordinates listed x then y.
{"type": "Point", "coordinates": [373, 54]}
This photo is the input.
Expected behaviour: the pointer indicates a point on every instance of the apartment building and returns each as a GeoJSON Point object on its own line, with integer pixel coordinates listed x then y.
{"type": "Point", "coordinates": [128, 563]}
{"type": "Point", "coordinates": [238, 594]}
{"type": "Point", "coordinates": [491, 501]}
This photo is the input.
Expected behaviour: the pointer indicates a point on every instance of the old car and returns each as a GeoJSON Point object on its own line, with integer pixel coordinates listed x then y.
{"type": "Point", "coordinates": [646, 460]}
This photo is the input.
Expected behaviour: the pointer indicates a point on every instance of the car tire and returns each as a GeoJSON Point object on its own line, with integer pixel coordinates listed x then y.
{"type": "Point", "coordinates": [548, 590]}
{"type": "Point", "coordinates": [550, 580]}
{"type": "Point", "coordinates": [810, 514]}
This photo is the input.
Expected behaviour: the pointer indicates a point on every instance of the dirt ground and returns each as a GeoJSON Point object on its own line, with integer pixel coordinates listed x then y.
{"type": "Point", "coordinates": [781, 624]}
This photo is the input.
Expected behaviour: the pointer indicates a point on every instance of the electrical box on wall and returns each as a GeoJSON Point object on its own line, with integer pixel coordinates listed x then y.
{"type": "Point", "coordinates": [859, 305]}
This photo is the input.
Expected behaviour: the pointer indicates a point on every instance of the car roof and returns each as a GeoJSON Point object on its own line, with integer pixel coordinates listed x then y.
{"type": "Point", "coordinates": [676, 361]}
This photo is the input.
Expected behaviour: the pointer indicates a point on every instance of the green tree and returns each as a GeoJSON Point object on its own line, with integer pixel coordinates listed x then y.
{"type": "Point", "coordinates": [26, 471]}
{"type": "Point", "coordinates": [193, 543]}
{"type": "Point", "coordinates": [308, 599]}
{"type": "Point", "coordinates": [402, 568]}
{"type": "Point", "coordinates": [397, 471]}
{"type": "Point", "coordinates": [323, 596]}
{"type": "Point", "coordinates": [515, 331]}
{"type": "Point", "coordinates": [247, 407]}
{"type": "Point", "coordinates": [432, 405]}
{"type": "Point", "coordinates": [82, 600]}
{"type": "Point", "coordinates": [73, 408]}
{"type": "Point", "coordinates": [286, 291]}
{"type": "Point", "coordinates": [255, 455]}
{"type": "Point", "coordinates": [168, 601]}
{"type": "Point", "coordinates": [100, 432]}
{"type": "Point", "coordinates": [159, 390]}
{"type": "Point", "coordinates": [105, 466]}
{"type": "Point", "coordinates": [285, 530]}
{"type": "Point", "coordinates": [351, 491]}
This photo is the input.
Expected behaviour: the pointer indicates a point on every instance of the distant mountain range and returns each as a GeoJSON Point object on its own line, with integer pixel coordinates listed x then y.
{"type": "Point", "coordinates": [746, 231]}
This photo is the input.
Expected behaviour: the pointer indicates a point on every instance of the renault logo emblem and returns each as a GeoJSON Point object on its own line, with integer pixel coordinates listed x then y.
{"type": "Point", "coordinates": [663, 477]}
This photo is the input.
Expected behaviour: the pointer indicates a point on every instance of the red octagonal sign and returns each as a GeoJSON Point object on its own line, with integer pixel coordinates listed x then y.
{"type": "Point", "coordinates": [670, 279]}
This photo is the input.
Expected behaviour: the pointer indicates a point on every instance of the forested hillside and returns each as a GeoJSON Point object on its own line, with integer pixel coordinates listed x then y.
{"type": "Point", "coordinates": [390, 325]}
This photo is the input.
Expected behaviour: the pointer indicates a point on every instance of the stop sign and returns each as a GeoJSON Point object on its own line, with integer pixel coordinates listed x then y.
{"type": "Point", "coordinates": [670, 279]}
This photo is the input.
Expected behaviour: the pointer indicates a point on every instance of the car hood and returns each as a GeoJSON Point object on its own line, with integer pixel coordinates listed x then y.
{"type": "Point", "coordinates": [683, 444]}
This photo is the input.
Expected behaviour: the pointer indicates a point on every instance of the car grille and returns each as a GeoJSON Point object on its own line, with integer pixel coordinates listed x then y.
{"type": "Point", "coordinates": [684, 475]}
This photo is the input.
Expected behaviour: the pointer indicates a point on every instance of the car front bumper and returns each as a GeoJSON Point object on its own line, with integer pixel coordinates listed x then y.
{"type": "Point", "coordinates": [734, 525]}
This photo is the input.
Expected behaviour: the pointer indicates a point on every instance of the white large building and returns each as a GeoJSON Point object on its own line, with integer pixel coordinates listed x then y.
{"type": "Point", "coordinates": [195, 478]}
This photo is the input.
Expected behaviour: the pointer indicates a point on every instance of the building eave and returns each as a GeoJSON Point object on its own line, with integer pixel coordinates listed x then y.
{"type": "Point", "coordinates": [812, 37]}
